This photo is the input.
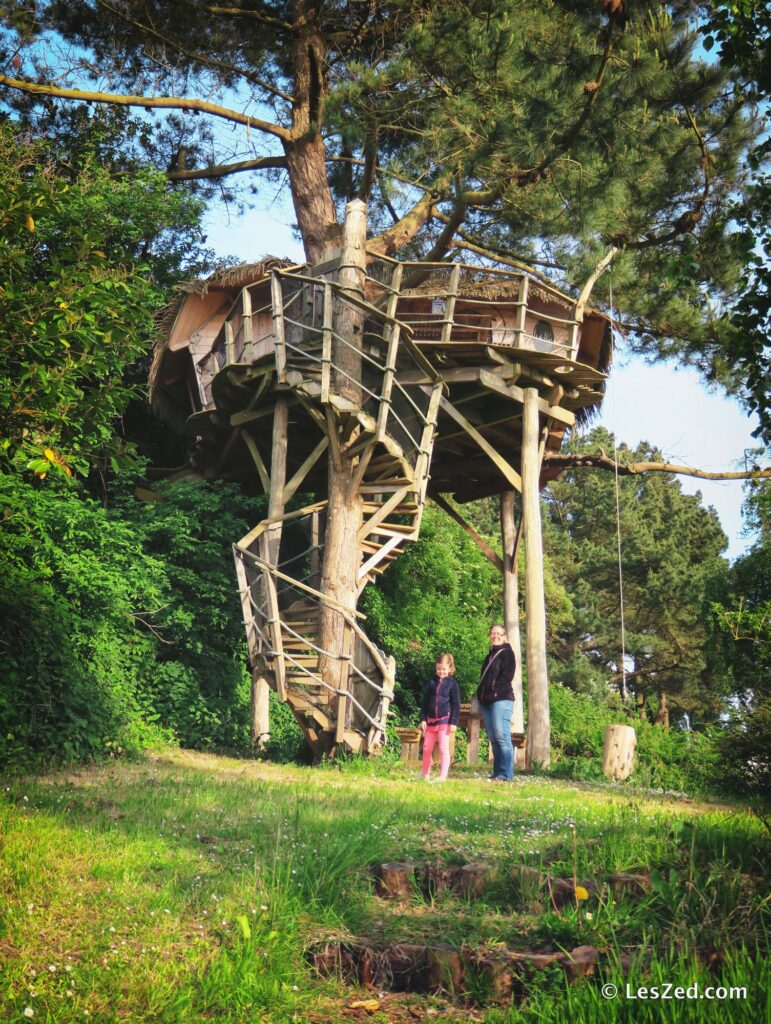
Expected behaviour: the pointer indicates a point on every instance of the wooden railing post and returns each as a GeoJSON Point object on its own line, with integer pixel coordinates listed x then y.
{"type": "Point", "coordinates": [521, 311]}
{"type": "Point", "coordinates": [326, 343]}
{"type": "Point", "coordinates": [449, 310]}
{"type": "Point", "coordinates": [229, 348]}
{"type": "Point", "coordinates": [277, 299]}
{"type": "Point", "coordinates": [246, 308]}
{"type": "Point", "coordinates": [394, 329]}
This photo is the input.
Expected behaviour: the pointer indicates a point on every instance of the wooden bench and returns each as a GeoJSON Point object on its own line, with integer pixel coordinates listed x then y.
{"type": "Point", "coordinates": [411, 740]}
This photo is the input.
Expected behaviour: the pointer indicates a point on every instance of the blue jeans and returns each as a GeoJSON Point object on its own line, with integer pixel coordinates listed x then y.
{"type": "Point", "coordinates": [497, 719]}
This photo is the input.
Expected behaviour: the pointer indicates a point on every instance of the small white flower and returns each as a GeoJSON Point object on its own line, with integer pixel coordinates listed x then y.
{"type": "Point", "coordinates": [588, 915]}
{"type": "Point", "coordinates": [28, 1011]}
{"type": "Point", "coordinates": [52, 968]}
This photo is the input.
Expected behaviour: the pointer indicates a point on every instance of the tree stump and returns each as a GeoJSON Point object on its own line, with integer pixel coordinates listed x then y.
{"type": "Point", "coordinates": [633, 885]}
{"type": "Point", "coordinates": [471, 880]}
{"type": "Point", "coordinates": [444, 970]}
{"type": "Point", "coordinates": [618, 752]}
{"type": "Point", "coordinates": [580, 962]}
{"type": "Point", "coordinates": [395, 880]}
{"type": "Point", "coordinates": [410, 741]}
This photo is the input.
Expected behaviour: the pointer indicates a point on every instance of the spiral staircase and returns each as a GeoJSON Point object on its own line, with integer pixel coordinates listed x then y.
{"type": "Point", "coordinates": [360, 411]}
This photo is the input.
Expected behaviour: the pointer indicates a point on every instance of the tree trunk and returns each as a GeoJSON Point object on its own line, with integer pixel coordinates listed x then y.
{"type": "Point", "coordinates": [511, 602]}
{"type": "Point", "coordinates": [618, 751]}
{"type": "Point", "coordinates": [260, 716]}
{"type": "Point", "coordinates": [311, 198]}
{"type": "Point", "coordinates": [662, 715]}
{"type": "Point", "coordinates": [641, 701]}
{"type": "Point", "coordinates": [538, 724]}
{"type": "Point", "coordinates": [305, 157]}
{"type": "Point", "coordinates": [342, 548]}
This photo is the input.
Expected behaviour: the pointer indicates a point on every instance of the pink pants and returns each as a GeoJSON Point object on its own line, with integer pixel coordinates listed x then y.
{"type": "Point", "coordinates": [431, 735]}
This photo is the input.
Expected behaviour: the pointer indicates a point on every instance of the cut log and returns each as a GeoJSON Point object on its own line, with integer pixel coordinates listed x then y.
{"type": "Point", "coordinates": [472, 879]}
{"type": "Point", "coordinates": [580, 962]}
{"type": "Point", "coordinates": [618, 751]}
{"type": "Point", "coordinates": [395, 880]}
{"type": "Point", "coordinates": [632, 885]}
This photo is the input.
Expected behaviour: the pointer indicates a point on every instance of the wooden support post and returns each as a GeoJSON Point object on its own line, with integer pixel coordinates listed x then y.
{"type": "Point", "coordinates": [271, 545]}
{"type": "Point", "coordinates": [538, 724]}
{"type": "Point", "coordinates": [509, 536]}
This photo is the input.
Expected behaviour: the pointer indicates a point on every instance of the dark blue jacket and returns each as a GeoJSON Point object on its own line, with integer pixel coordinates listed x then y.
{"type": "Point", "coordinates": [441, 702]}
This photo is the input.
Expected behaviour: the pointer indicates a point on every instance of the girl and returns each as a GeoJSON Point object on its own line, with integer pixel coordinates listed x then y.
{"type": "Point", "coordinates": [439, 713]}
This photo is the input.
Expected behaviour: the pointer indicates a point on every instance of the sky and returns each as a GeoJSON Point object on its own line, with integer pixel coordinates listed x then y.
{"type": "Point", "coordinates": [662, 404]}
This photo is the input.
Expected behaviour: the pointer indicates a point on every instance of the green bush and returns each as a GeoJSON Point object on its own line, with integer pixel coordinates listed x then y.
{"type": "Point", "coordinates": [75, 654]}
{"type": "Point", "coordinates": [673, 759]}
{"type": "Point", "coordinates": [120, 626]}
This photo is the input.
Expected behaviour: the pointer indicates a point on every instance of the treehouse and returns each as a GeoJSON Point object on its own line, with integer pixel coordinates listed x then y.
{"type": "Point", "coordinates": [413, 379]}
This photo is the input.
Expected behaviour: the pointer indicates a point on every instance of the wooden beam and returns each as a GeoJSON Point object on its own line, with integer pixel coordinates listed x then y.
{"type": "Point", "coordinates": [292, 486]}
{"type": "Point", "coordinates": [378, 557]}
{"type": "Point", "coordinates": [517, 394]}
{"type": "Point", "coordinates": [254, 451]}
{"type": "Point", "coordinates": [508, 472]}
{"type": "Point", "coordinates": [480, 542]}
{"type": "Point", "coordinates": [384, 511]}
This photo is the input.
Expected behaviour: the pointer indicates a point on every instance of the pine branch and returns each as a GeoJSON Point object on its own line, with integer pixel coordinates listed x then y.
{"type": "Point", "coordinates": [497, 255]}
{"type": "Point", "coordinates": [222, 170]}
{"type": "Point", "coordinates": [603, 461]}
{"type": "Point", "coordinates": [199, 58]}
{"type": "Point", "coordinates": [239, 12]}
{"type": "Point", "coordinates": [394, 238]}
{"type": "Point", "coordinates": [148, 103]}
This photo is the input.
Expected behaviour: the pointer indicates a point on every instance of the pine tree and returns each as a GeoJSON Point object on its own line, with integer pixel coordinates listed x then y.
{"type": "Point", "coordinates": [670, 553]}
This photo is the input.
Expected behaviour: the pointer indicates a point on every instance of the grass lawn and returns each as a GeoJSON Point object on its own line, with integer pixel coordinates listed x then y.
{"type": "Point", "coordinates": [189, 887]}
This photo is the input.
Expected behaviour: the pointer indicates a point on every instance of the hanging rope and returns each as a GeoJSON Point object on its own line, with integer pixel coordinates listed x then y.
{"type": "Point", "coordinates": [624, 693]}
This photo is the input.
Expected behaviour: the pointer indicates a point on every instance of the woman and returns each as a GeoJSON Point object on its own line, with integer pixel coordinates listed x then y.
{"type": "Point", "coordinates": [496, 702]}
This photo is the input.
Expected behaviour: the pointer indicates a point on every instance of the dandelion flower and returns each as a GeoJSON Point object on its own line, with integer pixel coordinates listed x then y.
{"type": "Point", "coordinates": [581, 893]}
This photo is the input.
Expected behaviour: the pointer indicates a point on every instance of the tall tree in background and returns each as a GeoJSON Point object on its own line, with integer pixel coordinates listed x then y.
{"type": "Point", "coordinates": [742, 32]}
{"type": "Point", "coordinates": [554, 134]}
{"type": "Point", "coordinates": [671, 553]}
{"type": "Point", "coordinates": [744, 618]}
